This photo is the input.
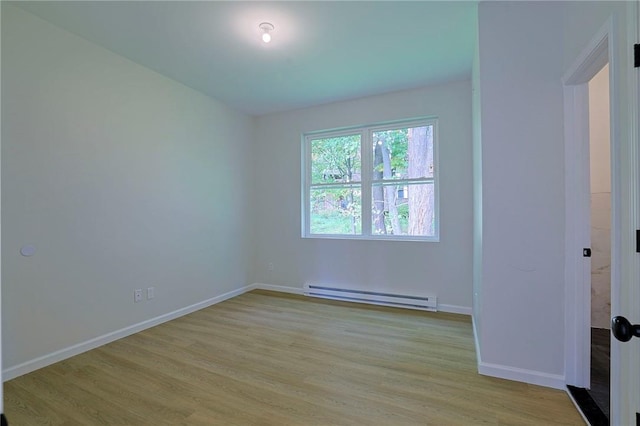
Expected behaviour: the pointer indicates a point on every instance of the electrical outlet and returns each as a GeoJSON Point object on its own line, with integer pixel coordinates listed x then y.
{"type": "Point", "coordinates": [270, 266]}
{"type": "Point", "coordinates": [137, 295]}
{"type": "Point", "coordinates": [151, 293]}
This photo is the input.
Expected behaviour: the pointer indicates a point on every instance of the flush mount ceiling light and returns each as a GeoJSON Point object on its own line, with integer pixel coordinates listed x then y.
{"type": "Point", "coordinates": [266, 28]}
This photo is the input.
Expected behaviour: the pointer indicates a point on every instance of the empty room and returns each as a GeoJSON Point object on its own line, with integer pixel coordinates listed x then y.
{"type": "Point", "coordinates": [314, 213]}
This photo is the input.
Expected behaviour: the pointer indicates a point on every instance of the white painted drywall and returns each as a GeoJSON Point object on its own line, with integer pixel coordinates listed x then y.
{"type": "Point", "coordinates": [522, 282]}
{"type": "Point", "coordinates": [443, 268]}
{"type": "Point", "coordinates": [599, 144]}
{"type": "Point", "coordinates": [600, 172]}
{"type": "Point", "coordinates": [121, 179]}
{"type": "Point", "coordinates": [477, 195]}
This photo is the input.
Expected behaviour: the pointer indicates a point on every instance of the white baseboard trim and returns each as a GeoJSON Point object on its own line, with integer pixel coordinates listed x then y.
{"type": "Point", "coordinates": [454, 309]}
{"type": "Point", "coordinates": [278, 288]}
{"type": "Point", "coordinates": [555, 381]}
{"type": "Point", "coordinates": [45, 360]}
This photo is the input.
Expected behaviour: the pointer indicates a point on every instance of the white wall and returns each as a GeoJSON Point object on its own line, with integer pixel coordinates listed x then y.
{"type": "Point", "coordinates": [122, 179]}
{"type": "Point", "coordinates": [443, 268]}
{"type": "Point", "coordinates": [522, 273]}
{"type": "Point", "coordinates": [477, 196]}
{"type": "Point", "coordinates": [599, 155]}
{"type": "Point", "coordinates": [599, 144]}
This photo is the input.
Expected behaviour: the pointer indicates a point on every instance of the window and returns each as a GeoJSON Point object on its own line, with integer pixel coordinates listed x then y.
{"type": "Point", "coordinates": [374, 182]}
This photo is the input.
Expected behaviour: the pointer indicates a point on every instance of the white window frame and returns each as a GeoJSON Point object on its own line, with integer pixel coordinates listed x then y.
{"type": "Point", "coordinates": [367, 182]}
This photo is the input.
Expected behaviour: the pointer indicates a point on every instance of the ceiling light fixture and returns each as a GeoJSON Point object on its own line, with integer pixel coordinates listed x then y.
{"type": "Point", "coordinates": [266, 28]}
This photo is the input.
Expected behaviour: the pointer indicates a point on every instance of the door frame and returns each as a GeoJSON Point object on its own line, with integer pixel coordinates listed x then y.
{"type": "Point", "coordinates": [613, 43]}
{"type": "Point", "coordinates": [625, 357]}
{"type": "Point", "coordinates": [600, 51]}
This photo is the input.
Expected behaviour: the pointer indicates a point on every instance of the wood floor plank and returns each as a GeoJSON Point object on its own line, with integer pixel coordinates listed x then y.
{"type": "Point", "coordinates": [266, 358]}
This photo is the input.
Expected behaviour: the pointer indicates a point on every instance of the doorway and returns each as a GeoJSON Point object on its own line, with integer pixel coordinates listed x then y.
{"type": "Point", "coordinates": [580, 219]}
{"type": "Point", "coordinates": [600, 209]}
{"type": "Point", "coordinates": [624, 95]}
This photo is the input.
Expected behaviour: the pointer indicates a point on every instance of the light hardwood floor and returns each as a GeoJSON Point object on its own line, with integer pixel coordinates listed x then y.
{"type": "Point", "coordinates": [274, 359]}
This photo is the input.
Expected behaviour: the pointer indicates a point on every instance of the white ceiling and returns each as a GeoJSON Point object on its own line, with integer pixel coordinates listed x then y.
{"type": "Point", "coordinates": [321, 51]}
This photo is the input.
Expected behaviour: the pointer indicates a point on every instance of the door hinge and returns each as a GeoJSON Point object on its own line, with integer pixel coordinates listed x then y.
{"type": "Point", "coordinates": [586, 252]}
{"type": "Point", "coordinates": [636, 55]}
{"type": "Point", "coordinates": [637, 240]}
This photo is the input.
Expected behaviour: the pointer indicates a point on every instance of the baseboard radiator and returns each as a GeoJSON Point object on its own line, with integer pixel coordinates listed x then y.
{"type": "Point", "coordinates": [424, 303]}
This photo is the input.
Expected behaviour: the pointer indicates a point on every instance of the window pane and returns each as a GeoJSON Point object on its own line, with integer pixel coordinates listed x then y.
{"type": "Point", "coordinates": [403, 209]}
{"type": "Point", "coordinates": [335, 159]}
{"type": "Point", "coordinates": [403, 153]}
{"type": "Point", "coordinates": [335, 211]}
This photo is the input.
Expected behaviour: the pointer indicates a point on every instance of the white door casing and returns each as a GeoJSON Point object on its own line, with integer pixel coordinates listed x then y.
{"type": "Point", "coordinates": [613, 44]}
{"type": "Point", "coordinates": [577, 203]}
{"type": "Point", "coordinates": [625, 357]}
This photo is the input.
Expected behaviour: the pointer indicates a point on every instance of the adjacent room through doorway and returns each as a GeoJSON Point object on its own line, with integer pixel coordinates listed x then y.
{"type": "Point", "coordinates": [600, 192]}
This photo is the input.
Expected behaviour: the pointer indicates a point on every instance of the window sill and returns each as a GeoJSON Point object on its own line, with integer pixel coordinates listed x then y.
{"type": "Point", "coordinates": [372, 238]}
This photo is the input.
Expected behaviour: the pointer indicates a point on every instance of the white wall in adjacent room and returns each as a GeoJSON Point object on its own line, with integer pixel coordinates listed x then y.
{"type": "Point", "coordinates": [599, 154]}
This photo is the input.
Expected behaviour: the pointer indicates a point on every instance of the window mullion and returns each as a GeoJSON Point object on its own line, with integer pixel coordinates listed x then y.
{"type": "Point", "coordinates": [306, 192]}
{"type": "Point", "coordinates": [412, 181]}
{"type": "Point", "coordinates": [367, 167]}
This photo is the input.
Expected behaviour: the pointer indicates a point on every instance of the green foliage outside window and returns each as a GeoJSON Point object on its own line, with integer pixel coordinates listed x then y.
{"type": "Point", "coordinates": [400, 174]}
